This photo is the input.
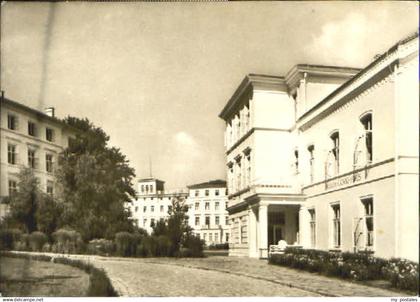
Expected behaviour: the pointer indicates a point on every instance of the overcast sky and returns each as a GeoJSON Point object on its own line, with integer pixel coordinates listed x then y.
{"type": "Point", "coordinates": [155, 76]}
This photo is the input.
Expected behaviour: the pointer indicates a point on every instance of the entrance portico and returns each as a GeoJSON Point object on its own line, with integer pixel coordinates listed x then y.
{"type": "Point", "coordinates": [270, 222]}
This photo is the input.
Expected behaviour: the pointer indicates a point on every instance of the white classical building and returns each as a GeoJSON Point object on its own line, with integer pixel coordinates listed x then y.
{"type": "Point", "coordinates": [207, 211]}
{"type": "Point", "coordinates": [29, 138]}
{"type": "Point", "coordinates": [327, 158]}
{"type": "Point", "coordinates": [207, 203]}
{"type": "Point", "coordinates": [152, 203]}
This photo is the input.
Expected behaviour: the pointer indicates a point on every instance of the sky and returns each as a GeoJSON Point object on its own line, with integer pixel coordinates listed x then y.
{"type": "Point", "coordinates": [155, 76]}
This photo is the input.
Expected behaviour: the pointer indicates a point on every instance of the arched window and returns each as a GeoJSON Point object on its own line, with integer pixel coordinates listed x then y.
{"type": "Point", "coordinates": [366, 121]}
{"type": "Point", "coordinates": [335, 137]}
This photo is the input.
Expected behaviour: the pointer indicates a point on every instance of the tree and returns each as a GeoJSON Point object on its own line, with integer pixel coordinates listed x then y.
{"type": "Point", "coordinates": [95, 182]}
{"type": "Point", "coordinates": [24, 202]}
{"type": "Point", "coordinates": [48, 214]}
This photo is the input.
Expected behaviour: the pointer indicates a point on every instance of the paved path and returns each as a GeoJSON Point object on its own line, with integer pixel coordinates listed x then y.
{"type": "Point", "coordinates": [221, 276]}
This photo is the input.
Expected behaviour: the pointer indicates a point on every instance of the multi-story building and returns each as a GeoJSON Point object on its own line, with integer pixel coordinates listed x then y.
{"type": "Point", "coordinates": [207, 213]}
{"type": "Point", "coordinates": [29, 138]}
{"type": "Point", "coordinates": [207, 203]}
{"type": "Point", "coordinates": [327, 158]}
{"type": "Point", "coordinates": [152, 203]}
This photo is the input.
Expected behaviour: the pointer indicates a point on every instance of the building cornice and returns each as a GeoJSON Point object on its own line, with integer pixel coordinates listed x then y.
{"type": "Point", "coordinates": [298, 72]}
{"type": "Point", "coordinates": [244, 92]}
{"type": "Point", "coordinates": [364, 80]}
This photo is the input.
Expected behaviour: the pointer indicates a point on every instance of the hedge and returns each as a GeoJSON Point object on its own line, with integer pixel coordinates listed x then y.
{"type": "Point", "coordinates": [402, 274]}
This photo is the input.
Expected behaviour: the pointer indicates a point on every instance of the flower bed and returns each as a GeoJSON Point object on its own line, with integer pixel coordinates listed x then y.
{"type": "Point", "coordinates": [402, 274]}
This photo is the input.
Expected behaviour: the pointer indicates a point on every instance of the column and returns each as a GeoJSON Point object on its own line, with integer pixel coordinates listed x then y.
{"type": "Point", "coordinates": [263, 231]}
{"type": "Point", "coordinates": [304, 227]}
{"type": "Point", "coordinates": [252, 234]}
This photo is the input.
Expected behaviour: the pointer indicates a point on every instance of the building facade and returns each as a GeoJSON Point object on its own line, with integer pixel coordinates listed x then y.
{"type": "Point", "coordinates": [327, 158]}
{"type": "Point", "coordinates": [152, 203]}
{"type": "Point", "coordinates": [206, 202]}
{"type": "Point", "coordinates": [29, 138]}
{"type": "Point", "coordinates": [207, 213]}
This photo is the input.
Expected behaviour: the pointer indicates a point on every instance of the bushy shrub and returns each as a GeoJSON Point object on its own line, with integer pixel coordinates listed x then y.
{"type": "Point", "coordinates": [126, 244]}
{"type": "Point", "coordinates": [164, 246]}
{"type": "Point", "coordinates": [101, 247]}
{"type": "Point", "coordinates": [36, 241]}
{"type": "Point", "coordinates": [22, 244]}
{"type": "Point", "coordinates": [148, 247]}
{"type": "Point", "coordinates": [9, 238]}
{"type": "Point", "coordinates": [67, 241]}
{"type": "Point", "coordinates": [403, 274]}
{"type": "Point", "coordinates": [195, 246]}
{"type": "Point", "coordinates": [219, 246]}
{"type": "Point", "coordinates": [46, 248]}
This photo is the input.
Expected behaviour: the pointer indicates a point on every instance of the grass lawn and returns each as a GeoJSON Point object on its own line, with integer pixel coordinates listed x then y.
{"type": "Point", "coordinates": [24, 277]}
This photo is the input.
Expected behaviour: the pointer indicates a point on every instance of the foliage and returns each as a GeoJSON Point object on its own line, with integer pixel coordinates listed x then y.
{"type": "Point", "coordinates": [126, 244]}
{"type": "Point", "coordinates": [402, 274]}
{"type": "Point", "coordinates": [95, 182]}
{"type": "Point", "coordinates": [101, 247]}
{"type": "Point", "coordinates": [9, 238]}
{"type": "Point", "coordinates": [37, 240]}
{"type": "Point", "coordinates": [48, 214]}
{"type": "Point", "coordinates": [67, 241]}
{"type": "Point", "coordinates": [24, 203]}
{"type": "Point", "coordinates": [219, 246]}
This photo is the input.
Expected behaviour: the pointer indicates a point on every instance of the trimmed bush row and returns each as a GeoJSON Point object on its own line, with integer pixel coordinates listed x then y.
{"type": "Point", "coordinates": [124, 245]}
{"type": "Point", "coordinates": [219, 246]}
{"type": "Point", "coordinates": [402, 274]}
{"type": "Point", "coordinates": [99, 283]}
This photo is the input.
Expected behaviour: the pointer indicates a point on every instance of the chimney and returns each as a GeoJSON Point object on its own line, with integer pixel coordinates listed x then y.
{"type": "Point", "coordinates": [50, 111]}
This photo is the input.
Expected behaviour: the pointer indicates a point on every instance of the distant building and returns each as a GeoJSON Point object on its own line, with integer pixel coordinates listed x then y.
{"type": "Point", "coordinates": [29, 138]}
{"type": "Point", "coordinates": [207, 211]}
{"type": "Point", "coordinates": [327, 158]}
{"type": "Point", "coordinates": [207, 203]}
{"type": "Point", "coordinates": [152, 202]}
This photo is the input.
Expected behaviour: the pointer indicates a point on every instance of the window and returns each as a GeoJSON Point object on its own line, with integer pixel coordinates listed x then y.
{"type": "Point", "coordinates": [336, 225]}
{"type": "Point", "coordinates": [145, 222]}
{"type": "Point", "coordinates": [31, 129]}
{"type": "Point", "coordinates": [144, 209]}
{"type": "Point", "coordinates": [227, 237]}
{"type": "Point", "coordinates": [31, 159]}
{"type": "Point", "coordinates": [50, 188]}
{"type": "Point", "coordinates": [204, 236]}
{"type": "Point", "coordinates": [151, 189]}
{"type": "Point", "coordinates": [217, 205]}
{"type": "Point", "coordinates": [368, 209]}
{"type": "Point", "coordinates": [217, 220]}
{"type": "Point", "coordinates": [312, 223]}
{"type": "Point", "coordinates": [169, 209]}
{"type": "Point", "coordinates": [152, 208]}
{"type": "Point", "coordinates": [161, 209]}
{"type": "Point", "coordinates": [196, 193]}
{"type": "Point", "coordinates": [238, 174]}
{"type": "Point", "coordinates": [248, 168]}
{"type": "Point", "coordinates": [11, 122]}
{"type": "Point", "coordinates": [142, 188]}
{"type": "Point", "coordinates": [210, 237]}
{"type": "Point", "coordinates": [152, 222]}
{"type": "Point", "coordinates": [335, 137]}
{"type": "Point", "coordinates": [227, 220]}
{"type": "Point", "coordinates": [217, 193]}
{"type": "Point", "coordinates": [226, 205]}
{"type": "Point", "coordinates": [197, 206]}
{"type": "Point", "coordinates": [216, 237]}
{"type": "Point", "coordinates": [49, 134]}
{"type": "Point", "coordinates": [11, 154]}
{"type": "Point", "coordinates": [12, 187]}
{"type": "Point", "coordinates": [207, 220]}
{"type": "Point", "coordinates": [311, 162]}
{"type": "Point", "coordinates": [197, 220]}
{"type": "Point", "coordinates": [366, 121]}
{"type": "Point", "coordinates": [244, 235]}
{"type": "Point", "coordinates": [49, 163]}
{"type": "Point", "coordinates": [136, 209]}
{"type": "Point", "coordinates": [207, 205]}
{"type": "Point", "coordinates": [296, 161]}
{"type": "Point", "coordinates": [207, 192]}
